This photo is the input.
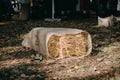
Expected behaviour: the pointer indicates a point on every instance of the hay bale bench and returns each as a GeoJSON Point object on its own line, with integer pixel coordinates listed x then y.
{"type": "Point", "coordinates": [59, 42]}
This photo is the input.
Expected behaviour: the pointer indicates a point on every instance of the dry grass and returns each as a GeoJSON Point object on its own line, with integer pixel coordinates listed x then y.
{"type": "Point", "coordinates": [67, 45]}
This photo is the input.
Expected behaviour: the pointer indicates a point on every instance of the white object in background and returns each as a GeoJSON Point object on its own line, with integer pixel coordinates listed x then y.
{"type": "Point", "coordinates": [53, 13]}
{"type": "Point", "coordinates": [118, 5]}
{"type": "Point", "coordinates": [108, 21]}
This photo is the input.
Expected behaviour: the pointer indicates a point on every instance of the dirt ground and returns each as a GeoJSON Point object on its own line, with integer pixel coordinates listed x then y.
{"type": "Point", "coordinates": [102, 64]}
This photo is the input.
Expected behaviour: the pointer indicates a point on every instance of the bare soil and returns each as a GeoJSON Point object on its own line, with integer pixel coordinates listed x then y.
{"type": "Point", "coordinates": [102, 64]}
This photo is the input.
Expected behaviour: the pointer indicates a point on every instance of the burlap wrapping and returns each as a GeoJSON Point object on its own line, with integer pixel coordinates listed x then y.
{"type": "Point", "coordinates": [59, 42]}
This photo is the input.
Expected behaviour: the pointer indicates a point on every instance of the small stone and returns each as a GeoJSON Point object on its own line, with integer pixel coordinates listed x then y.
{"type": "Point", "coordinates": [55, 78]}
{"type": "Point", "coordinates": [76, 67]}
{"type": "Point", "coordinates": [22, 75]}
{"type": "Point", "coordinates": [99, 59]}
